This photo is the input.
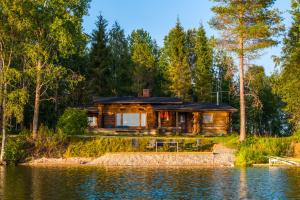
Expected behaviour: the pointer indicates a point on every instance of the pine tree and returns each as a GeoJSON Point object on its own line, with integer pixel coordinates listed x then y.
{"type": "Point", "coordinates": [247, 26]}
{"type": "Point", "coordinates": [99, 61]}
{"type": "Point", "coordinates": [175, 54]}
{"type": "Point", "coordinates": [288, 84]}
{"type": "Point", "coordinates": [120, 65]}
{"type": "Point", "coordinates": [203, 70]}
{"type": "Point", "coordinates": [144, 55]}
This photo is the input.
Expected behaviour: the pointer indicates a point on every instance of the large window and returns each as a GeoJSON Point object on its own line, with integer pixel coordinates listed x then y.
{"type": "Point", "coordinates": [131, 119]}
{"type": "Point", "coordinates": [208, 118]}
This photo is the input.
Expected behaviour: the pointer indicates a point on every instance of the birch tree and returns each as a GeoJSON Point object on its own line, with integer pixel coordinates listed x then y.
{"type": "Point", "coordinates": [12, 97]}
{"type": "Point", "coordinates": [53, 28]}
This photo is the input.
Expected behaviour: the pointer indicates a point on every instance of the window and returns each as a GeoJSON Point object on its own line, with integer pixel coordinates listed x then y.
{"type": "Point", "coordinates": [143, 119]}
{"type": "Point", "coordinates": [208, 118]}
{"type": "Point", "coordinates": [92, 121]}
{"type": "Point", "coordinates": [118, 120]}
{"type": "Point", "coordinates": [131, 119]}
{"type": "Point", "coordinates": [182, 118]}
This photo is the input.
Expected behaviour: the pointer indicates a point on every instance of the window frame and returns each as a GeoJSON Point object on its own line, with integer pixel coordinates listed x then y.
{"type": "Point", "coordinates": [140, 118]}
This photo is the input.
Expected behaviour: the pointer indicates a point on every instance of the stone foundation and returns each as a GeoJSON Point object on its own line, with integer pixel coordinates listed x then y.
{"type": "Point", "coordinates": [164, 159]}
{"type": "Point", "coordinates": [221, 156]}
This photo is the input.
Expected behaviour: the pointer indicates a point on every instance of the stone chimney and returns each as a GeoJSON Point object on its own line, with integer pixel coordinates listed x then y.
{"type": "Point", "coordinates": [146, 92]}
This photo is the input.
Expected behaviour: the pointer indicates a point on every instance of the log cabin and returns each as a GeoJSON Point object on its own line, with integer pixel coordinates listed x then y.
{"type": "Point", "coordinates": [158, 115]}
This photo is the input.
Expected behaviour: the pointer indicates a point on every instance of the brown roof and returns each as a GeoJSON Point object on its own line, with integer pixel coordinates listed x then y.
{"type": "Point", "coordinates": [191, 107]}
{"type": "Point", "coordinates": [141, 100]}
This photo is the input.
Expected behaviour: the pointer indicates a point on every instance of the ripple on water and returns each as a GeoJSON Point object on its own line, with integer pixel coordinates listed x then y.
{"type": "Point", "coordinates": [148, 183]}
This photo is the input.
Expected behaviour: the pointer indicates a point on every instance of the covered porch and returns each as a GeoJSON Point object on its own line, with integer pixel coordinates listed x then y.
{"type": "Point", "coordinates": [175, 121]}
{"type": "Point", "coordinates": [194, 118]}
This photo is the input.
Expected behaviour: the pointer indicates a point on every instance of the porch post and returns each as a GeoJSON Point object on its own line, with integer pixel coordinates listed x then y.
{"type": "Point", "coordinates": [177, 122]}
{"type": "Point", "coordinates": [159, 120]}
{"type": "Point", "coordinates": [196, 126]}
{"type": "Point", "coordinates": [100, 117]}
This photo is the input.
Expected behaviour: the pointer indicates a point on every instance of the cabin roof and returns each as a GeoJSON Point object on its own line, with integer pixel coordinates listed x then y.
{"type": "Point", "coordinates": [191, 107]}
{"type": "Point", "coordinates": [141, 100]}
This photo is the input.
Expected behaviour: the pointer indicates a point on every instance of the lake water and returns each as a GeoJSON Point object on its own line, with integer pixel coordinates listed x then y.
{"type": "Point", "coordinates": [148, 183]}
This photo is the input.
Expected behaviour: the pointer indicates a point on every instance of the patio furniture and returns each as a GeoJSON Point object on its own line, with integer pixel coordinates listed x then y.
{"type": "Point", "coordinates": [135, 143]}
{"type": "Point", "coordinates": [172, 144]}
{"type": "Point", "coordinates": [197, 145]}
{"type": "Point", "coordinates": [151, 145]}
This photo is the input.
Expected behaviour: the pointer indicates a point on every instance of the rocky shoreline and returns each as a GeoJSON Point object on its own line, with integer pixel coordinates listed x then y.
{"type": "Point", "coordinates": [221, 156]}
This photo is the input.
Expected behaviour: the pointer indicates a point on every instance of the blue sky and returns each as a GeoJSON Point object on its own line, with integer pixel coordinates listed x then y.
{"type": "Point", "coordinates": [159, 16]}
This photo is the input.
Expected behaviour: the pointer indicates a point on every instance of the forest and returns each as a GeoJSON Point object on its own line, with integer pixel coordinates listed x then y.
{"type": "Point", "coordinates": [48, 63]}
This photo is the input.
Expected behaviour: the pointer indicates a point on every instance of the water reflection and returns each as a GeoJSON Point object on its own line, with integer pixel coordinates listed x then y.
{"type": "Point", "coordinates": [41, 183]}
{"type": "Point", "coordinates": [243, 184]}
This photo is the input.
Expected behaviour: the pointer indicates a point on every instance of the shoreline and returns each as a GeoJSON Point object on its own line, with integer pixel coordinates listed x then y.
{"type": "Point", "coordinates": [142, 159]}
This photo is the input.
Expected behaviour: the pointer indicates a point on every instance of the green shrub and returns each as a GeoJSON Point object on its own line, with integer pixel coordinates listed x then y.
{"type": "Point", "coordinates": [99, 146]}
{"type": "Point", "coordinates": [48, 143]}
{"type": "Point", "coordinates": [73, 121]}
{"type": "Point", "coordinates": [257, 149]}
{"type": "Point", "coordinates": [79, 147]}
{"type": "Point", "coordinates": [16, 150]}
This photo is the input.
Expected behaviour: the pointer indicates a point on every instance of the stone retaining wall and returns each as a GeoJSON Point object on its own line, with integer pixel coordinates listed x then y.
{"type": "Point", "coordinates": [221, 156]}
{"type": "Point", "coordinates": [164, 159]}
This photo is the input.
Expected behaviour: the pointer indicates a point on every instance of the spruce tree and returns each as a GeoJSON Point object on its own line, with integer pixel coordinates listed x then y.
{"type": "Point", "coordinates": [288, 84]}
{"type": "Point", "coordinates": [120, 83]}
{"type": "Point", "coordinates": [203, 70]}
{"type": "Point", "coordinates": [175, 55]}
{"type": "Point", "coordinates": [247, 26]}
{"type": "Point", "coordinates": [99, 61]}
{"type": "Point", "coordinates": [224, 70]}
{"type": "Point", "coordinates": [144, 55]}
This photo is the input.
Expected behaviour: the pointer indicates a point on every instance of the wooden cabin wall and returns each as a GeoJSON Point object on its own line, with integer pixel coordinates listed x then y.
{"type": "Point", "coordinates": [220, 124]}
{"type": "Point", "coordinates": [189, 121]}
{"type": "Point", "coordinates": [107, 112]}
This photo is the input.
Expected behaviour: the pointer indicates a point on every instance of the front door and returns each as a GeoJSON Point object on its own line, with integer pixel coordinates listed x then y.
{"type": "Point", "coordinates": [183, 122]}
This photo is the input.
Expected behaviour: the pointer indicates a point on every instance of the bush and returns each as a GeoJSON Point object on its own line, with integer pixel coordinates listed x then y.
{"type": "Point", "coordinates": [97, 147]}
{"type": "Point", "coordinates": [256, 150]}
{"type": "Point", "coordinates": [48, 143]}
{"type": "Point", "coordinates": [16, 150]}
{"type": "Point", "coordinates": [73, 121]}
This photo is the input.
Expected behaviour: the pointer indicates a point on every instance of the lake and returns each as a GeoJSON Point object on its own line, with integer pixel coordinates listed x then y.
{"type": "Point", "coordinates": [24, 182]}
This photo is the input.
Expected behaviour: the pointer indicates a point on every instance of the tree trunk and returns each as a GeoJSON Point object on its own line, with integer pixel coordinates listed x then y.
{"type": "Point", "coordinates": [3, 124]}
{"type": "Point", "coordinates": [242, 93]}
{"type": "Point", "coordinates": [36, 101]}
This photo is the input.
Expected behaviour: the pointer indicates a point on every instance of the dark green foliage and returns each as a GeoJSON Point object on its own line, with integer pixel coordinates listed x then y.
{"type": "Point", "coordinates": [73, 121]}
{"type": "Point", "coordinates": [121, 66]}
{"type": "Point", "coordinates": [287, 83]}
{"type": "Point", "coordinates": [98, 146]}
{"type": "Point", "coordinates": [224, 70]}
{"type": "Point", "coordinates": [256, 150]}
{"type": "Point", "coordinates": [175, 59]}
{"type": "Point", "coordinates": [16, 150]}
{"type": "Point", "coordinates": [264, 114]}
{"type": "Point", "coordinates": [144, 55]}
{"type": "Point", "coordinates": [99, 61]}
{"type": "Point", "coordinates": [48, 143]}
{"type": "Point", "coordinates": [246, 28]}
{"type": "Point", "coordinates": [203, 67]}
